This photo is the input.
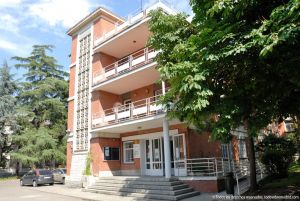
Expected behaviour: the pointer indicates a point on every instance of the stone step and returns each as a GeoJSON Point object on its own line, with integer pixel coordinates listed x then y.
{"type": "Point", "coordinates": [142, 186]}
{"type": "Point", "coordinates": [155, 179]}
{"type": "Point", "coordinates": [151, 183]}
{"type": "Point", "coordinates": [144, 196]}
{"type": "Point", "coordinates": [144, 191]}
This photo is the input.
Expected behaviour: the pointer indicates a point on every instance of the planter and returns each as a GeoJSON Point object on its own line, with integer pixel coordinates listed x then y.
{"type": "Point", "coordinates": [87, 180]}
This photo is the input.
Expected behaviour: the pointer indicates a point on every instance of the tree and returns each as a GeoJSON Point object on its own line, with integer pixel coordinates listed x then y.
{"type": "Point", "coordinates": [43, 103]}
{"type": "Point", "coordinates": [277, 153]}
{"type": "Point", "coordinates": [8, 88]}
{"type": "Point", "coordinates": [238, 60]}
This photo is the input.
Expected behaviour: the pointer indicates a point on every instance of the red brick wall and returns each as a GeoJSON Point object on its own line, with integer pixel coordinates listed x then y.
{"type": "Point", "coordinates": [130, 166]}
{"type": "Point", "coordinates": [70, 115]}
{"type": "Point", "coordinates": [73, 49]}
{"type": "Point", "coordinates": [97, 148]}
{"type": "Point", "coordinates": [100, 61]}
{"type": "Point", "coordinates": [102, 26]}
{"type": "Point", "coordinates": [69, 157]}
{"type": "Point", "coordinates": [206, 186]}
{"type": "Point", "coordinates": [199, 145]}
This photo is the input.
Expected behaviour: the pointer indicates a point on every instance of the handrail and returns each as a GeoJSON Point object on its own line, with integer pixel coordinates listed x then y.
{"type": "Point", "coordinates": [124, 65]}
{"type": "Point", "coordinates": [135, 110]}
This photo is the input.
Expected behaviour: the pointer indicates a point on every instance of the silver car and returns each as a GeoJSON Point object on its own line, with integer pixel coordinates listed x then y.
{"type": "Point", "coordinates": [37, 177]}
{"type": "Point", "coordinates": [59, 175]}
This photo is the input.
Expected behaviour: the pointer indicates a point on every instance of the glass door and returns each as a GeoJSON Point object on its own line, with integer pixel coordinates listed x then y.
{"type": "Point", "coordinates": [179, 155]}
{"type": "Point", "coordinates": [154, 157]}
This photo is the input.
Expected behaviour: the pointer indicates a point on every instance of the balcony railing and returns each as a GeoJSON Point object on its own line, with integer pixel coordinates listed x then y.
{"type": "Point", "coordinates": [134, 18]}
{"type": "Point", "coordinates": [125, 65]}
{"type": "Point", "coordinates": [136, 110]}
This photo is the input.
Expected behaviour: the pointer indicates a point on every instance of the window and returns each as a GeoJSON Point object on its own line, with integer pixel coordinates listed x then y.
{"type": "Point", "coordinates": [225, 149]}
{"type": "Point", "coordinates": [111, 154]}
{"type": "Point", "coordinates": [242, 148]}
{"type": "Point", "coordinates": [128, 152]}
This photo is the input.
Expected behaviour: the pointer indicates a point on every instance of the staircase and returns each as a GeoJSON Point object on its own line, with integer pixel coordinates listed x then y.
{"type": "Point", "coordinates": [77, 168]}
{"type": "Point", "coordinates": [143, 188]}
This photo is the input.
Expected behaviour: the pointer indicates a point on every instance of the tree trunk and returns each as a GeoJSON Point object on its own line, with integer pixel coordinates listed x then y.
{"type": "Point", "coordinates": [18, 169]}
{"type": "Point", "coordinates": [251, 158]}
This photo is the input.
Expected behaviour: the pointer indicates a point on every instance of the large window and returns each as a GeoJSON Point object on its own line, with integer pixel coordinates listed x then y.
{"type": "Point", "coordinates": [242, 148]}
{"type": "Point", "coordinates": [226, 150]}
{"type": "Point", "coordinates": [128, 152]}
{"type": "Point", "coordinates": [111, 154]}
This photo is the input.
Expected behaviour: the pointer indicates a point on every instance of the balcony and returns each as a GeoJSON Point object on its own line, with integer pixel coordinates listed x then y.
{"type": "Point", "coordinates": [123, 75]}
{"type": "Point", "coordinates": [137, 110]}
{"type": "Point", "coordinates": [134, 28]}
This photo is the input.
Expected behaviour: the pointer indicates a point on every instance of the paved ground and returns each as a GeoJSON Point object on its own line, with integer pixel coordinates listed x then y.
{"type": "Point", "coordinates": [12, 191]}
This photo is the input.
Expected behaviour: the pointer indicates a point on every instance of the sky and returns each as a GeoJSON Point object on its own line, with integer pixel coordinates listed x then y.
{"type": "Point", "coordinates": [24, 23]}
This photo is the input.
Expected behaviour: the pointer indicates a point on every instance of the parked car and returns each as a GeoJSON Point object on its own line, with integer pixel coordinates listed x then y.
{"type": "Point", "coordinates": [37, 177]}
{"type": "Point", "coordinates": [59, 175]}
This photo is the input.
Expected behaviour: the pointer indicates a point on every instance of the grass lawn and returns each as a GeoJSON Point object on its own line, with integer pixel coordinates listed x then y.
{"type": "Point", "coordinates": [292, 180]}
{"type": "Point", "coordinates": [7, 178]}
{"type": "Point", "coordinates": [280, 186]}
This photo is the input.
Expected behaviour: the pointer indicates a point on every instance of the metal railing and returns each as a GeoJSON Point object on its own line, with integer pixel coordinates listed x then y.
{"type": "Point", "coordinates": [125, 65]}
{"type": "Point", "coordinates": [133, 18]}
{"type": "Point", "coordinates": [206, 166]}
{"type": "Point", "coordinates": [133, 111]}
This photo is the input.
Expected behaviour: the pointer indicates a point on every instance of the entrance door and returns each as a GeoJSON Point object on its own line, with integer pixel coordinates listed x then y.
{"type": "Point", "coordinates": [154, 157]}
{"type": "Point", "coordinates": [179, 155]}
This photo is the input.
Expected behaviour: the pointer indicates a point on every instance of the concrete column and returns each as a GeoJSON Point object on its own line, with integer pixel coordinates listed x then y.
{"type": "Point", "coordinates": [163, 87]}
{"type": "Point", "coordinates": [167, 148]}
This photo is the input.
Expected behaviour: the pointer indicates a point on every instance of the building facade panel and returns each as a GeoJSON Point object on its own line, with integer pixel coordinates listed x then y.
{"type": "Point", "coordinates": [72, 81]}
{"type": "Point", "coordinates": [70, 122]}
{"type": "Point", "coordinates": [69, 157]}
{"type": "Point", "coordinates": [74, 49]}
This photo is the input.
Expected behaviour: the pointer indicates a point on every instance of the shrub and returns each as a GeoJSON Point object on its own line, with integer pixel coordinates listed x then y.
{"type": "Point", "coordinates": [87, 170]}
{"type": "Point", "coordinates": [276, 153]}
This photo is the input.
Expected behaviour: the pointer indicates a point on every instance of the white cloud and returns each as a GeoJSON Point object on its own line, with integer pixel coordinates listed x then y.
{"type": "Point", "coordinates": [9, 23]}
{"type": "Point", "coordinates": [14, 47]}
{"type": "Point", "coordinates": [60, 12]}
{"type": "Point", "coordinates": [9, 3]}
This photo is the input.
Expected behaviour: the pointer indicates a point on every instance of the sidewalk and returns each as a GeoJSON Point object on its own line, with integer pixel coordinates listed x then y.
{"type": "Point", "coordinates": [86, 196]}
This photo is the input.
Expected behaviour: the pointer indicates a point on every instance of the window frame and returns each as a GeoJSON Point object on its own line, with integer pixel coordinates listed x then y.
{"type": "Point", "coordinates": [127, 149]}
{"type": "Point", "coordinates": [110, 148]}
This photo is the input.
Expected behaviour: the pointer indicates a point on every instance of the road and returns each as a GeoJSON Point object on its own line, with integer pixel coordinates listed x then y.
{"type": "Point", "coordinates": [12, 191]}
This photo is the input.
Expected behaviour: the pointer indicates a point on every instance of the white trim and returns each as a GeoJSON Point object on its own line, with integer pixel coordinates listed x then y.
{"type": "Point", "coordinates": [92, 15]}
{"type": "Point", "coordinates": [72, 64]}
{"type": "Point", "coordinates": [109, 173]}
{"type": "Point", "coordinates": [90, 87]}
{"type": "Point", "coordinates": [76, 95]}
{"type": "Point", "coordinates": [71, 98]}
{"type": "Point", "coordinates": [105, 135]}
{"type": "Point", "coordinates": [128, 123]}
{"type": "Point", "coordinates": [98, 86]}
{"type": "Point", "coordinates": [191, 178]}
{"type": "Point", "coordinates": [149, 135]}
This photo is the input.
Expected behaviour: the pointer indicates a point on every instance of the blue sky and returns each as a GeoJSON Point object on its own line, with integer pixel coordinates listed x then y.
{"type": "Point", "coordinates": [24, 23]}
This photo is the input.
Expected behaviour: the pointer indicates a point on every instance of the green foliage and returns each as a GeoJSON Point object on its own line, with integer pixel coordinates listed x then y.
{"type": "Point", "coordinates": [42, 110]}
{"type": "Point", "coordinates": [222, 63]}
{"type": "Point", "coordinates": [237, 59]}
{"type": "Point", "coordinates": [8, 88]}
{"type": "Point", "coordinates": [276, 153]}
{"type": "Point", "coordinates": [89, 160]}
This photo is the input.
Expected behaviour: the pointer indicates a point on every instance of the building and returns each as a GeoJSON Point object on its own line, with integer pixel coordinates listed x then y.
{"type": "Point", "coordinates": [114, 113]}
